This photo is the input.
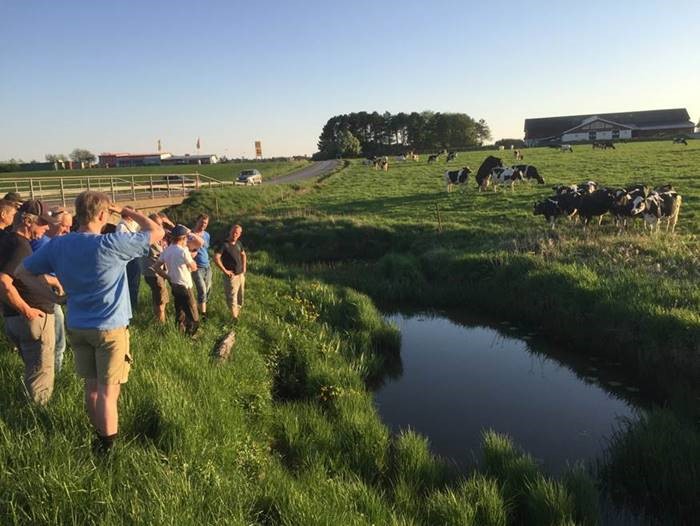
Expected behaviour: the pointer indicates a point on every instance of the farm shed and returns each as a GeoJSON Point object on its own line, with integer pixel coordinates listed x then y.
{"type": "Point", "coordinates": [608, 127]}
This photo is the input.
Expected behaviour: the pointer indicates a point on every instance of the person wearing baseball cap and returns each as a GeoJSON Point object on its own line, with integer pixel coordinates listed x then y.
{"type": "Point", "coordinates": [179, 265]}
{"type": "Point", "coordinates": [14, 198]}
{"type": "Point", "coordinates": [27, 308]}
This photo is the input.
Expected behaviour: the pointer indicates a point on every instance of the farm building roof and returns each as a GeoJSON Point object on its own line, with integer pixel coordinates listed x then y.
{"type": "Point", "coordinates": [651, 119]}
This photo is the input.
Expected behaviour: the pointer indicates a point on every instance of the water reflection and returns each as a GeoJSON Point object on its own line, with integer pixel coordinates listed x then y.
{"type": "Point", "coordinates": [458, 380]}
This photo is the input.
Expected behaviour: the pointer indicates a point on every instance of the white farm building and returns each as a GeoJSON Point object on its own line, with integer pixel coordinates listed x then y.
{"type": "Point", "coordinates": [608, 127]}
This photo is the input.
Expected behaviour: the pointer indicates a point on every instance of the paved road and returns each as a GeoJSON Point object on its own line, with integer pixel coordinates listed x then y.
{"type": "Point", "coordinates": [312, 171]}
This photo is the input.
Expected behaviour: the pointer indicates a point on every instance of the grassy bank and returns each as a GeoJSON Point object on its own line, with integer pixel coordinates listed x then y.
{"type": "Point", "coordinates": [627, 297]}
{"type": "Point", "coordinates": [285, 432]}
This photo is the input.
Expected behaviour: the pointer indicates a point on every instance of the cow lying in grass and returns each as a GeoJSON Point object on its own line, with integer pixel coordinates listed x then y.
{"type": "Point", "coordinates": [457, 177]}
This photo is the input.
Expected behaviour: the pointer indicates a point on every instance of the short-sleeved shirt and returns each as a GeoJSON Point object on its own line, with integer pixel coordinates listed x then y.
{"type": "Point", "coordinates": [19, 250]}
{"type": "Point", "coordinates": [176, 259]}
{"type": "Point", "coordinates": [231, 257]}
{"type": "Point", "coordinates": [38, 243]}
{"type": "Point", "coordinates": [202, 256]}
{"type": "Point", "coordinates": [92, 270]}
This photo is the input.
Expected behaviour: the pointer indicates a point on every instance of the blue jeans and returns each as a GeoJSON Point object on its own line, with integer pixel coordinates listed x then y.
{"type": "Point", "coordinates": [202, 282]}
{"type": "Point", "coordinates": [133, 276]}
{"type": "Point", "coordinates": [60, 346]}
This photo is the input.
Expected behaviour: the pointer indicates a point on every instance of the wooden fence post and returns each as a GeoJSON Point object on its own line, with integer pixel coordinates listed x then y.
{"type": "Point", "coordinates": [133, 188]}
{"type": "Point", "coordinates": [437, 212]}
{"type": "Point", "coordinates": [111, 185]}
{"type": "Point", "coordinates": [31, 188]}
{"type": "Point", "coordinates": [153, 194]}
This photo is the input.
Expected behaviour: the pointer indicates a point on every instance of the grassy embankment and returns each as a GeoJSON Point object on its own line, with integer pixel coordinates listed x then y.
{"type": "Point", "coordinates": [283, 433]}
{"type": "Point", "coordinates": [222, 172]}
{"type": "Point", "coordinates": [631, 298]}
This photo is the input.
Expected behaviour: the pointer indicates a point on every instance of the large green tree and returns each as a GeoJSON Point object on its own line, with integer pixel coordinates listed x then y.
{"type": "Point", "coordinates": [387, 134]}
{"type": "Point", "coordinates": [79, 155]}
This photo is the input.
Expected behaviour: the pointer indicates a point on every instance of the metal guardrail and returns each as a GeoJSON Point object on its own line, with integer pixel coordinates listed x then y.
{"type": "Point", "coordinates": [62, 190]}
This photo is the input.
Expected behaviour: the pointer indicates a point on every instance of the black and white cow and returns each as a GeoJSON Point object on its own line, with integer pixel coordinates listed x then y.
{"type": "Point", "coordinates": [455, 177]}
{"type": "Point", "coordinates": [566, 148]}
{"type": "Point", "coordinates": [680, 140]}
{"type": "Point", "coordinates": [550, 209]}
{"type": "Point", "coordinates": [451, 156]}
{"type": "Point", "coordinates": [662, 206]}
{"type": "Point", "coordinates": [433, 158]}
{"type": "Point", "coordinates": [502, 176]}
{"type": "Point", "coordinates": [483, 174]}
{"type": "Point", "coordinates": [530, 172]}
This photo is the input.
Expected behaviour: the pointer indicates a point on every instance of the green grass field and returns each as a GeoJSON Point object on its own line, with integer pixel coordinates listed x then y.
{"type": "Point", "coordinates": [286, 431]}
{"type": "Point", "coordinates": [222, 172]}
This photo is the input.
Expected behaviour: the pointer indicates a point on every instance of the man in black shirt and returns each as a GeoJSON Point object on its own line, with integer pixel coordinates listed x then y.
{"type": "Point", "coordinates": [231, 259]}
{"type": "Point", "coordinates": [28, 308]}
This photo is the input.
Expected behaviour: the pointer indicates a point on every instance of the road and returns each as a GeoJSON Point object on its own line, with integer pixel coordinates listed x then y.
{"type": "Point", "coordinates": [312, 171]}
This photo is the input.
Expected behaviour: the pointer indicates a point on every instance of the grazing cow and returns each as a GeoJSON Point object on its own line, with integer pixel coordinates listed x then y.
{"type": "Point", "coordinates": [529, 172]}
{"type": "Point", "coordinates": [433, 158]}
{"type": "Point", "coordinates": [603, 145]}
{"type": "Point", "coordinates": [501, 176]}
{"type": "Point", "coordinates": [550, 209]}
{"type": "Point", "coordinates": [451, 156]}
{"type": "Point", "coordinates": [501, 147]}
{"type": "Point", "coordinates": [627, 204]}
{"type": "Point", "coordinates": [384, 163]}
{"type": "Point", "coordinates": [518, 155]}
{"type": "Point", "coordinates": [483, 174]}
{"type": "Point", "coordinates": [400, 158]}
{"type": "Point", "coordinates": [412, 156]}
{"type": "Point", "coordinates": [680, 140]}
{"type": "Point", "coordinates": [595, 204]}
{"type": "Point", "coordinates": [566, 148]}
{"type": "Point", "coordinates": [455, 177]}
{"type": "Point", "coordinates": [588, 187]}
{"type": "Point", "coordinates": [664, 205]}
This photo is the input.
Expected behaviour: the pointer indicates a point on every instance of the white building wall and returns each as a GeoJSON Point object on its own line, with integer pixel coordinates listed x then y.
{"type": "Point", "coordinates": [599, 136]}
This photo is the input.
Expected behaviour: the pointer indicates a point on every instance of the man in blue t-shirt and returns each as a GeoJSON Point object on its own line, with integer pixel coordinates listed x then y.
{"type": "Point", "coordinates": [202, 276]}
{"type": "Point", "coordinates": [92, 269]}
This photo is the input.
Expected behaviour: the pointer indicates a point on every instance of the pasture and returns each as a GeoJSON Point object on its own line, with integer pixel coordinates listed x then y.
{"type": "Point", "coordinates": [222, 172]}
{"type": "Point", "coordinates": [286, 432]}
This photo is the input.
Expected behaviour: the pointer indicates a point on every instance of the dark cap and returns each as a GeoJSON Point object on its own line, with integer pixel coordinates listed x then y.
{"type": "Point", "coordinates": [37, 208]}
{"type": "Point", "coordinates": [179, 231]}
{"type": "Point", "coordinates": [14, 198]}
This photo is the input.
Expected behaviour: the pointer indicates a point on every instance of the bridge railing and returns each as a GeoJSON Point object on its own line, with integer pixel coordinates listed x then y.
{"type": "Point", "coordinates": [63, 190]}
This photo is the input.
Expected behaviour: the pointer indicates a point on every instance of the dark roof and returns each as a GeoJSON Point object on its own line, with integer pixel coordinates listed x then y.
{"type": "Point", "coordinates": [551, 126]}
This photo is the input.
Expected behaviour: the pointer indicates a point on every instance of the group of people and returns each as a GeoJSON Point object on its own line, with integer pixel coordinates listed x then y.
{"type": "Point", "coordinates": [95, 270]}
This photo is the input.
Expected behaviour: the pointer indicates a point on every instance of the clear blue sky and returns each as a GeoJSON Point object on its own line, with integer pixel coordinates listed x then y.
{"type": "Point", "coordinates": [118, 76]}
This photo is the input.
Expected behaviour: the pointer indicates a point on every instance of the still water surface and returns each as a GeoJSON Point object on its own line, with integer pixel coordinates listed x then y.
{"type": "Point", "coordinates": [458, 379]}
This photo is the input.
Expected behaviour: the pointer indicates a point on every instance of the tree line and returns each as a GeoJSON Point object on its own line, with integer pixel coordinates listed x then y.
{"type": "Point", "coordinates": [369, 134]}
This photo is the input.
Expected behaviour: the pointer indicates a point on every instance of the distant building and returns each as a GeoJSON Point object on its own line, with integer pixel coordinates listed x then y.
{"type": "Point", "coordinates": [121, 160]}
{"type": "Point", "coordinates": [608, 127]}
{"type": "Point", "coordinates": [191, 159]}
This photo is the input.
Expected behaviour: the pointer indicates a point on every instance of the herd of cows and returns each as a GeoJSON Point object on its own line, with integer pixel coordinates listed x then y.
{"type": "Point", "coordinates": [584, 201]}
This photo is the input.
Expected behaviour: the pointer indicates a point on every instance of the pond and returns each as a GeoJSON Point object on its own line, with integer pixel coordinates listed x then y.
{"type": "Point", "coordinates": [457, 378]}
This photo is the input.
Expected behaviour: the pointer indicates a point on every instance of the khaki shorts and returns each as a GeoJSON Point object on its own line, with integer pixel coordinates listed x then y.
{"type": "Point", "coordinates": [102, 355]}
{"type": "Point", "coordinates": [159, 291]}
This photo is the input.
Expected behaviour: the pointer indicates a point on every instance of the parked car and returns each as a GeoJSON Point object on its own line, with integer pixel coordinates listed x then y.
{"type": "Point", "coordinates": [249, 177]}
